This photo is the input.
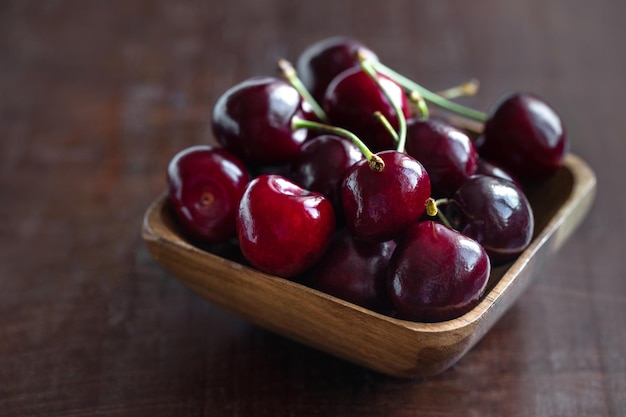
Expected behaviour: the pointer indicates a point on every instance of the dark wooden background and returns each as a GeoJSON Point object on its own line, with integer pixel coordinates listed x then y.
{"type": "Point", "coordinates": [96, 97]}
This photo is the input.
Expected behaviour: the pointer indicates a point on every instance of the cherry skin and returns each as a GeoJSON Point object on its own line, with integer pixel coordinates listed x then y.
{"type": "Point", "coordinates": [436, 273]}
{"type": "Point", "coordinates": [494, 212]}
{"type": "Point", "coordinates": [447, 153]}
{"type": "Point", "coordinates": [283, 229]}
{"type": "Point", "coordinates": [322, 164]}
{"type": "Point", "coordinates": [322, 61]}
{"type": "Point", "coordinates": [353, 97]}
{"type": "Point", "coordinates": [355, 271]}
{"type": "Point", "coordinates": [494, 170]}
{"type": "Point", "coordinates": [205, 185]}
{"type": "Point", "coordinates": [379, 206]}
{"type": "Point", "coordinates": [526, 136]}
{"type": "Point", "coordinates": [253, 120]}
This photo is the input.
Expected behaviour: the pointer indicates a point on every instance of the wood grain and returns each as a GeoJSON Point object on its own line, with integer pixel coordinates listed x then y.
{"type": "Point", "coordinates": [96, 97]}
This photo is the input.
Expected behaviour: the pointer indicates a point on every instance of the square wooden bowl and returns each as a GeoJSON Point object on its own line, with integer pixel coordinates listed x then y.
{"type": "Point", "coordinates": [385, 344]}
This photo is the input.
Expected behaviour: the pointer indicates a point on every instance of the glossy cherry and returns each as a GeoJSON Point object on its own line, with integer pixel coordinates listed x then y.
{"type": "Point", "coordinates": [323, 163]}
{"type": "Point", "coordinates": [205, 185]}
{"type": "Point", "coordinates": [253, 120]}
{"type": "Point", "coordinates": [447, 153]}
{"type": "Point", "coordinates": [494, 212]}
{"type": "Point", "coordinates": [436, 273]}
{"type": "Point", "coordinates": [282, 228]}
{"type": "Point", "coordinates": [322, 61]}
{"type": "Point", "coordinates": [526, 136]}
{"type": "Point", "coordinates": [492, 169]}
{"type": "Point", "coordinates": [353, 97]}
{"type": "Point", "coordinates": [355, 271]}
{"type": "Point", "coordinates": [379, 206]}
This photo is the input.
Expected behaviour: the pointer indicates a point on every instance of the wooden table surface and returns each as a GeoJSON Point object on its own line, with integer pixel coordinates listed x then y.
{"type": "Point", "coordinates": [96, 97]}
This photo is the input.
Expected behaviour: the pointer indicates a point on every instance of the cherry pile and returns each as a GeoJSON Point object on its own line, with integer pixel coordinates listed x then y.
{"type": "Point", "coordinates": [336, 174]}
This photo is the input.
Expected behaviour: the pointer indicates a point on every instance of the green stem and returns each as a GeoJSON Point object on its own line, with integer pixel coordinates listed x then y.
{"type": "Point", "coordinates": [387, 125]}
{"type": "Point", "coordinates": [291, 76]}
{"type": "Point", "coordinates": [433, 210]}
{"type": "Point", "coordinates": [368, 66]}
{"type": "Point", "coordinates": [375, 162]}
{"type": "Point", "coordinates": [468, 88]}
{"type": "Point", "coordinates": [419, 102]}
{"type": "Point", "coordinates": [429, 95]}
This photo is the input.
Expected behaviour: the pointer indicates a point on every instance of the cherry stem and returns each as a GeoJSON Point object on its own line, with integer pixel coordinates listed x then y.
{"type": "Point", "coordinates": [420, 104]}
{"type": "Point", "coordinates": [433, 210]}
{"type": "Point", "coordinates": [468, 88]}
{"type": "Point", "coordinates": [375, 162]}
{"type": "Point", "coordinates": [368, 66]}
{"type": "Point", "coordinates": [290, 74]}
{"type": "Point", "coordinates": [387, 125]}
{"type": "Point", "coordinates": [429, 95]}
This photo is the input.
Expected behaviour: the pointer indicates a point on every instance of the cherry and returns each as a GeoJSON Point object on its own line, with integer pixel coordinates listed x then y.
{"type": "Point", "coordinates": [378, 206]}
{"type": "Point", "coordinates": [353, 97]}
{"type": "Point", "coordinates": [282, 228]}
{"type": "Point", "coordinates": [492, 169]}
{"type": "Point", "coordinates": [205, 185]}
{"type": "Point", "coordinates": [322, 61]}
{"type": "Point", "coordinates": [253, 120]}
{"type": "Point", "coordinates": [447, 153]}
{"type": "Point", "coordinates": [494, 212]}
{"type": "Point", "coordinates": [355, 271]}
{"type": "Point", "coordinates": [526, 136]}
{"type": "Point", "coordinates": [436, 273]}
{"type": "Point", "coordinates": [322, 164]}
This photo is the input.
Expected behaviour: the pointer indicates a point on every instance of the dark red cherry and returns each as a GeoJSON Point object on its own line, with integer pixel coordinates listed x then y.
{"type": "Point", "coordinates": [253, 120]}
{"type": "Point", "coordinates": [283, 229]}
{"type": "Point", "coordinates": [494, 212]}
{"type": "Point", "coordinates": [205, 185]}
{"type": "Point", "coordinates": [436, 273]}
{"type": "Point", "coordinates": [526, 136]}
{"type": "Point", "coordinates": [355, 271]}
{"type": "Point", "coordinates": [353, 97]}
{"type": "Point", "coordinates": [379, 206]}
{"type": "Point", "coordinates": [323, 163]}
{"type": "Point", "coordinates": [322, 61]}
{"type": "Point", "coordinates": [494, 170]}
{"type": "Point", "coordinates": [447, 153]}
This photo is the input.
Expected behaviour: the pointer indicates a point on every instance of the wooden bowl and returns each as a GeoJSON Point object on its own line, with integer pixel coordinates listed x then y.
{"type": "Point", "coordinates": [385, 344]}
